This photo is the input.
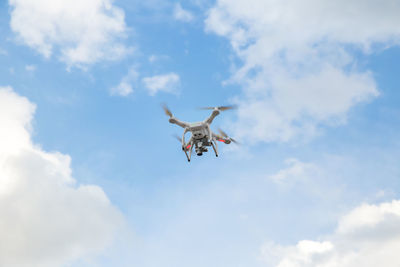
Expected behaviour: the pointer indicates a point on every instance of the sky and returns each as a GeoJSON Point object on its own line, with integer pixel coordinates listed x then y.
{"type": "Point", "coordinates": [90, 174]}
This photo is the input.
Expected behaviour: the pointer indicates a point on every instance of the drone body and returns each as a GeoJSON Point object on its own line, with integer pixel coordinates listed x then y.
{"type": "Point", "coordinates": [202, 136]}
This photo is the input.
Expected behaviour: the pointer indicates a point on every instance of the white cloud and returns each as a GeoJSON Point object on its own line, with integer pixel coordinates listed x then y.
{"type": "Point", "coordinates": [47, 219]}
{"type": "Point", "coordinates": [367, 236]}
{"type": "Point", "coordinates": [166, 82]}
{"type": "Point", "coordinates": [182, 14]}
{"type": "Point", "coordinates": [83, 32]}
{"type": "Point", "coordinates": [298, 67]}
{"type": "Point", "coordinates": [124, 88]}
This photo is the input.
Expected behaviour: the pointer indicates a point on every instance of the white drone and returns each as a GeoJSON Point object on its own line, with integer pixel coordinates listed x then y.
{"type": "Point", "coordinates": [202, 136]}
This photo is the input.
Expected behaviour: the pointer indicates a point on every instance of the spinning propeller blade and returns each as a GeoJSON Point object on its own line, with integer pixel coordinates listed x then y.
{"type": "Point", "coordinates": [221, 108]}
{"type": "Point", "coordinates": [166, 110]}
{"type": "Point", "coordinates": [233, 140]}
{"type": "Point", "coordinates": [180, 140]}
{"type": "Point", "coordinates": [222, 133]}
{"type": "Point", "coordinates": [177, 137]}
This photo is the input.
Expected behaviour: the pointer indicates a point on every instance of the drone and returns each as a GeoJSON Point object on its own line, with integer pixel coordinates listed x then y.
{"type": "Point", "coordinates": [202, 136]}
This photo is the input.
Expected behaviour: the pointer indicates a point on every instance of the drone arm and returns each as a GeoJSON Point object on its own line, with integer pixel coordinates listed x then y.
{"type": "Point", "coordinates": [214, 114]}
{"type": "Point", "coordinates": [174, 120]}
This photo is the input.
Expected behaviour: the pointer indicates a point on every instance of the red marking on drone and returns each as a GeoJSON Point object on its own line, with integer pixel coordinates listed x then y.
{"type": "Point", "coordinates": [188, 146]}
{"type": "Point", "coordinates": [221, 140]}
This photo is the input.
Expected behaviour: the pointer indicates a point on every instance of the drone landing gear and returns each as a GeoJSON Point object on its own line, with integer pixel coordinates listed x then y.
{"type": "Point", "coordinates": [215, 148]}
{"type": "Point", "coordinates": [190, 146]}
{"type": "Point", "coordinates": [187, 156]}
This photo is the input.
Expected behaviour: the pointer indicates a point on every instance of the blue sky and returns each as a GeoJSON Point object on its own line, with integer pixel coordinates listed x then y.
{"type": "Point", "coordinates": [317, 91]}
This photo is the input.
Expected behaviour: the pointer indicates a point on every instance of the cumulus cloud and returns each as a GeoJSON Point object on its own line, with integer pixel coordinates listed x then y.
{"type": "Point", "coordinates": [124, 88]}
{"type": "Point", "coordinates": [182, 14]}
{"type": "Point", "coordinates": [166, 82]}
{"type": "Point", "coordinates": [367, 236]}
{"type": "Point", "coordinates": [82, 32]}
{"type": "Point", "coordinates": [47, 218]}
{"type": "Point", "coordinates": [298, 67]}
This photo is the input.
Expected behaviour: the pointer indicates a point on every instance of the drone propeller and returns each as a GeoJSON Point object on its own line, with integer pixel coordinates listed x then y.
{"type": "Point", "coordinates": [226, 136]}
{"type": "Point", "coordinates": [167, 110]}
{"type": "Point", "coordinates": [180, 140]}
{"type": "Point", "coordinates": [220, 108]}
{"type": "Point", "coordinates": [177, 137]}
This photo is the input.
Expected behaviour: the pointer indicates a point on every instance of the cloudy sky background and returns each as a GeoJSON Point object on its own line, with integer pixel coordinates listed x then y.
{"type": "Point", "coordinates": [89, 172]}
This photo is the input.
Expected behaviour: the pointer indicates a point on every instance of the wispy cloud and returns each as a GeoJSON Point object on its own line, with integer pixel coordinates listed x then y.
{"type": "Point", "coordinates": [30, 68]}
{"type": "Point", "coordinates": [296, 170]}
{"type": "Point", "coordinates": [124, 88]}
{"type": "Point", "coordinates": [156, 58]}
{"type": "Point", "coordinates": [182, 14]}
{"type": "Point", "coordinates": [3, 52]}
{"type": "Point", "coordinates": [166, 83]}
